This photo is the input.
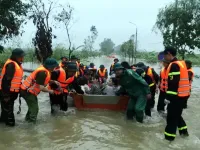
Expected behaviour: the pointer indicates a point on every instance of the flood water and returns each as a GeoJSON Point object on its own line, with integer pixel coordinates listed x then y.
{"type": "Point", "coordinates": [102, 130]}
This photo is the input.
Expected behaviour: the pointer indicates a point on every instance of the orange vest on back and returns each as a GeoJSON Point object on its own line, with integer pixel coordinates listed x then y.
{"type": "Point", "coordinates": [184, 85]}
{"type": "Point", "coordinates": [29, 83]}
{"type": "Point", "coordinates": [163, 80]}
{"type": "Point", "coordinates": [102, 73]}
{"type": "Point", "coordinates": [150, 73]}
{"type": "Point", "coordinates": [17, 78]}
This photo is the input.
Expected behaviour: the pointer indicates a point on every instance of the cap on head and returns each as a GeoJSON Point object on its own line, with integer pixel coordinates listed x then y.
{"type": "Point", "coordinates": [91, 64]}
{"type": "Point", "coordinates": [118, 66]}
{"type": "Point", "coordinates": [188, 63]}
{"type": "Point", "coordinates": [71, 66]}
{"type": "Point", "coordinates": [50, 63]}
{"type": "Point", "coordinates": [116, 59]}
{"type": "Point", "coordinates": [64, 57]}
{"type": "Point", "coordinates": [73, 57]}
{"type": "Point", "coordinates": [140, 64]}
{"type": "Point", "coordinates": [170, 50]}
{"type": "Point", "coordinates": [17, 53]}
{"type": "Point", "coordinates": [102, 67]}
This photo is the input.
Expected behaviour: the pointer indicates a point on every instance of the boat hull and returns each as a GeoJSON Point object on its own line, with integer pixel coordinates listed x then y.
{"type": "Point", "coordinates": [115, 103]}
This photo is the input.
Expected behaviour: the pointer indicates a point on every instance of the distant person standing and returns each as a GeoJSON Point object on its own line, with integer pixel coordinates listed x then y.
{"type": "Point", "coordinates": [177, 93]}
{"type": "Point", "coordinates": [116, 60]}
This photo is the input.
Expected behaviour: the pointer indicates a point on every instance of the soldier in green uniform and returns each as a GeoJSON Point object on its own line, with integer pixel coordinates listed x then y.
{"type": "Point", "coordinates": [136, 88]}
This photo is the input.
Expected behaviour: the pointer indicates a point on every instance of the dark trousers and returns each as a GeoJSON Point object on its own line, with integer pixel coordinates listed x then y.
{"type": "Point", "coordinates": [59, 100]}
{"type": "Point", "coordinates": [185, 104]}
{"type": "Point", "coordinates": [7, 108]}
{"type": "Point", "coordinates": [153, 93]}
{"type": "Point", "coordinates": [174, 118]}
{"type": "Point", "coordinates": [161, 101]}
{"type": "Point", "coordinates": [150, 102]}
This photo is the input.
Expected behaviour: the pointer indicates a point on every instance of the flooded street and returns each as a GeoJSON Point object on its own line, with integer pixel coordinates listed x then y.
{"type": "Point", "coordinates": [102, 130]}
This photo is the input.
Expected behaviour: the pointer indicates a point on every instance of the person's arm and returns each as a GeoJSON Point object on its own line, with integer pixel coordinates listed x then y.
{"type": "Point", "coordinates": [173, 81]}
{"type": "Point", "coordinates": [111, 69]}
{"type": "Point", "coordinates": [106, 75]}
{"type": "Point", "coordinates": [8, 76]}
{"type": "Point", "coordinates": [155, 75]}
{"type": "Point", "coordinates": [190, 74]}
{"type": "Point", "coordinates": [40, 80]}
{"type": "Point", "coordinates": [76, 86]}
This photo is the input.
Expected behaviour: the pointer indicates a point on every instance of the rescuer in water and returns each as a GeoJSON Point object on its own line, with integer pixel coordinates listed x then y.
{"type": "Point", "coordinates": [178, 90]}
{"type": "Point", "coordinates": [34, 84]}
{"type": "Point", "coordinates": [65, 78]}
{"type": "Point", "coordinates": [116, 60]}
{"type": "Point", "coordinates": [152, 87]}
{"type": "Point", "coordinates": [162, 87]}
{"type": "Point", "coordinates": [190, 75]}
{"type": "Point", "coordinates": [154, 76]}
{"type": "Point", "coordinates": [10, 82]}
{"type": "Point", "coordinates": [102, 74]}
{"type": "Point", "coordinates": [137, 89]}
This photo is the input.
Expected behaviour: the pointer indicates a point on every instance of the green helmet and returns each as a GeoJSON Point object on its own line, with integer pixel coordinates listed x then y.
{"type": "Point", "coordinates": [118, 66]}
{"type": "Point", "coordinates": [73, 57]}
{"type": "Point", "coordinates": [18, 52]}
{"type": "Point", "coordinates": [102, 67]}
{"type": "Point", "coordinates": [50, 63]}
{"type": "Point", "coordinates": [71, 66]}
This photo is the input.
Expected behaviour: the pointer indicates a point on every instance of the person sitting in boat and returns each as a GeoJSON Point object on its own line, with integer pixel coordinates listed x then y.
{"type": "Point", "coordinates": [63, 60]}
{"type": "Point", "coordinates": [116, 60]}
{"type": "Point", "coordinates": [82, 70]}
{"type": "Point", "coordinates": [152, 87]}
{"type": "Point", "coordinates": [93, 70]}
{"type": "Point", "coordinates": [138, 91]}
{"type": "Point", "coordinates": [134, 67]}
{"type": "Point", "coordinates": [96, 88]}
{"type": "Point", "coordinates": [102, 74]}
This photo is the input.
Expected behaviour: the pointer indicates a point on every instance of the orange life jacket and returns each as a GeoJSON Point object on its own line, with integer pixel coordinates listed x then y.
{"type": "Point", "coordinates": [102, 73]}
{"type": "Point", "coordinates": [17, 78]}
{"type": "Point", "coordinates": [184, 85]}
{"type": "Point", "coordinates": [29, 83]}
{"type": "Point", "coordinates": [163, 80]}
{"type": "Point", "coordinates": [150, 73]}
{"type": "Point", "coordinates": [191, 70]}
{"type": "Point", "coordinates": [69, 81]}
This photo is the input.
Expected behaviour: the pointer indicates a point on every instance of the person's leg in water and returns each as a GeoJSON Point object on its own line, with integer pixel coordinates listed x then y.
{"type": "Point", "coordinates": [161, 103]}
{"type": "Point", "coordinates": [54, 102]}
{"type": "Point", "coordinates": [63, 102]}
{"type": "Point", "coordinates": [153, 93]}
{"type": "Point", "coordinates": [140, 107]}
{"type": "Point", "coordinates": [130, 112]}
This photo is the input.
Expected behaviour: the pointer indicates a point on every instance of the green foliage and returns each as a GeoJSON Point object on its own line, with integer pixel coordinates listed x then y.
{"type": "Point", "coordinates": [1, 49]}
{"type": "Point", "coordinates": [180, 25]}
{"type": "Point", "coordinates": [90, 40]}
{"type": "Point", "coordinates": [12, 14]}
{"type": "Point", "coordinates": [107, 46]}
{"type": "Point", "coordinates": [127, 49]}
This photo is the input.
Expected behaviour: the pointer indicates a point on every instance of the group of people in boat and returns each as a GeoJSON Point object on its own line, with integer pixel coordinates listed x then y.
{"type": "Point", "coordinates": [138, 81]}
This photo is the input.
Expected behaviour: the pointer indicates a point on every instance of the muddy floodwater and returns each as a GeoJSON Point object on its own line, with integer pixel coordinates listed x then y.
{"type": "Point", "coordinates": [98, 130]}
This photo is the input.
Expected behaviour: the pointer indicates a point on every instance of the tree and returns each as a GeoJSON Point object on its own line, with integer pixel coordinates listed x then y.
{"type": "Point", "coordinates": [127, 49]}
{"type": "Point", "coordinates": [107, 46]}
{"type": "Point", "coordinates": [43, 36]}
{"type": "Point", "coordinates": [180, 25]}
{"type": "Point", "coordinates": [12, 13]}
{"type": "Point", "coordinates": [90, 40]}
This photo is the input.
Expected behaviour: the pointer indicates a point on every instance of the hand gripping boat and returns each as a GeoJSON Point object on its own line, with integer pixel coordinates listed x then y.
{"type": "Point", "coordinates": [115, 103]}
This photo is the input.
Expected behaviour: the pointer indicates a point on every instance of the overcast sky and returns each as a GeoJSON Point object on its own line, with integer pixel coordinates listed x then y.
{"type": "Point", "coordinates": [111, 18]}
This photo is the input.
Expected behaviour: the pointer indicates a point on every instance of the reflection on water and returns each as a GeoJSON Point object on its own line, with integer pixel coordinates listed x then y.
{"type": "Point", "coordinates": [92, 130]}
